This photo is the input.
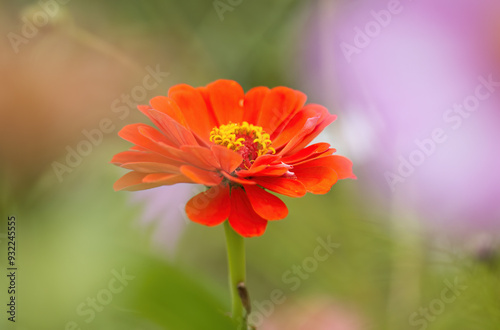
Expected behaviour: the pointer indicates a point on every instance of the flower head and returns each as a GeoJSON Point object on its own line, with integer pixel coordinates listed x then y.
{"type": "Point", "coordinates": [241, 146]}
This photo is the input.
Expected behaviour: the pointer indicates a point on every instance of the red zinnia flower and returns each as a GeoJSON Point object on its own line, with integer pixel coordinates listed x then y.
{"type": "Point", "coordinates": [238, 145]}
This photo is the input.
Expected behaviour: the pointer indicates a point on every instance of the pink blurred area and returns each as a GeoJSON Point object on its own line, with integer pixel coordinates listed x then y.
{"type": "Point", "coordinates": [163, 210]}
{"type": "Point", "coordinates": [404, 69]}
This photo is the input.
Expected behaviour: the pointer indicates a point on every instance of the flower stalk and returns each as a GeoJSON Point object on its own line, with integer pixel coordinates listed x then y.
{"type": "Point", "coordinates": [236, 264]}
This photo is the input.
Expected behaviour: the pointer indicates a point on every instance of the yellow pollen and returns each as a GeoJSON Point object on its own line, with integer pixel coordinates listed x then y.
{"type": "Point", "coordinates": [233, 136]}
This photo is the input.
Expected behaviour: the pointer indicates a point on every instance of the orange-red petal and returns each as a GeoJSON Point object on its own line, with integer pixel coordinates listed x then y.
{"type": "Point", "coordinates": [313, 134]}
{"type": "Point", "coordinates": [129, 179]}
{"type": "Point", "coordinates": [297, 138]}
{"type": "Point", "coordinates": [278, 105]}
{"type": "Point", "coordinates": [228, 159]}
{"type": "Point", "coordinates": [271, 171]}
{"type": "Point", "coordinates": [237, 179]}
{"type": "Point", "coordinates": [133, 181]}
{"type": "Point", "coordinates": [149, 167]}
{"type": "Point", "coordinates": [312, 151]}
{"type": "Point", "coordinates": [175, 132]}
{"type": "Point", "coordinates": [297, 127]}
{"type": "Point", "coordinates": [267, 170]}
{"type": "Point", "coordinates": [200, 157]}
{"type": "Point", "coordinates": [210, 207]}
{"type": "Point", "coordinates": [253, 104]}
{"type": "Point", "coordinates": [132, 156]}
{"type": "Point", "coordinates": [226, 98]}
{"type": "Point", "coordinates": [165, 178]}
{"type": "Point", "coordinates": [260, 164]}
{"type": "Point", "coordinates": [265, 204]}
{"type": "Point", "coordinates": [341, 165]}
{"type": "Point", "coordinates": [147, 138]}
{"type": "Point", "coordinates": [317, 180]}
{"type": "Point", "coordinates": [288, 187]}
{"type": "Point", "coordinates": [194, 110]}
{"type": "Point", "coordinates": [244, 220]}
{"type": "Point", "coordinates": [294, 126]}
{"type": "Point", "coordinates": [168, 107]}
{"type": "Point", "coordinates": [207, 178]}
{"type": "Point", "coordinates": [299, 103]}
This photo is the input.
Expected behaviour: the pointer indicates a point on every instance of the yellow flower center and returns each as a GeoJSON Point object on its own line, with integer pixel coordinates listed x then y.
{"type": "Point", "coordinates": [249, 140]}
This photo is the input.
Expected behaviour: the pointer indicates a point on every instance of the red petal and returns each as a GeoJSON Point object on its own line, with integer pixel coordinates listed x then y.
{"type": "Point", "coordinates": [296, 124]}
{"type": "Point", "coordinates": [200, 157]}
{"type": "Point", "coordinates": [308, 127]}
{"type": "Point", "coordinates": [146, 137]}
{"type": "Point", "coordinates": [129, 179]}
{"type": "Point", "coordinates": [299, 103]}
{"type": "Point", "coordinates": [228, 159]}
{"type": "Point", "coordinates": [270, 171]}
{"type": "Point", "coordinates": [341, 165]}
{"type": "Point", "coordinates": [265, 204]}
{"type": "Point", "coordinates": [275, 168]}
{"type": "Point", "coordinates": [312, 135]}
{"type": "Point", "coordinates": [293, 128]}
{"type": "Point", "coordinates": [317, 180]}
{"type": "Point", "coordinates": [253, 104]}
{"type": "Point", "coordinates": [260, 164]}
{"type": "Point", "coordinates": [243, 218]}
{"type": "Point", "coordinates": [133, 181]}
{"type": "Point", "coordinates": [312, 151]}
{"type": "Point", "coordinates": [140, 157]}
{"type": "Point", "coordinates": [166, 178]}
{"type": "Point", "coordinates": [237, 180]}
{"type": "Point", "coordinates": [168, 107]}
{"type": "Point", "coordinates": [194, 110]}
{"type": "Point", "coordinates": [279, 104]}
{"type": "Point", "coordinates": [226, 98]}
{"type": "Point", "coordinates": [266, 160]}
{"type": "Point", "coordinates": [207, 178]}
{"type": "Point", "coordinates": [210, 207]}
{"type": "Point", "coordinates": [148, 167]}
{"type": "Point", "coordinates": [206, 97]}
{"type": "Point", "coordinates": [174, 131]}
{"type": "Point", "coordinates": [287, 187]}
{"type": "Point", "coordinates": [167, 150]}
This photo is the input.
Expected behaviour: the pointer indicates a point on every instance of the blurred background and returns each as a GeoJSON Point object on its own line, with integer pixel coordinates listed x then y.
{"type": "Point", "coordinates": [412, 244]}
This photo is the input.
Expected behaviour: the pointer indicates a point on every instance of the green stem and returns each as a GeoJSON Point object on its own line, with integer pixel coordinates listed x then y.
{"type": "Point", "coordinates": [236, 264]}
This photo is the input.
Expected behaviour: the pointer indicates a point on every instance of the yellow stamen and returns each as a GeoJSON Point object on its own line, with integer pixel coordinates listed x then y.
{"type": "Point", "coordinates": [233, 136]}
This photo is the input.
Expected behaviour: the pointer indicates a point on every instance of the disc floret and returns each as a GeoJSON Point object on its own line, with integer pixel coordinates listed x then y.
{"type": "Point", "coordinates": [249, 140]}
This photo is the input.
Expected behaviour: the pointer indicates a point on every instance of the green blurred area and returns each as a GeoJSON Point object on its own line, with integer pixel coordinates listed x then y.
{"type": "Point", "coordinates": [74, 236]}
